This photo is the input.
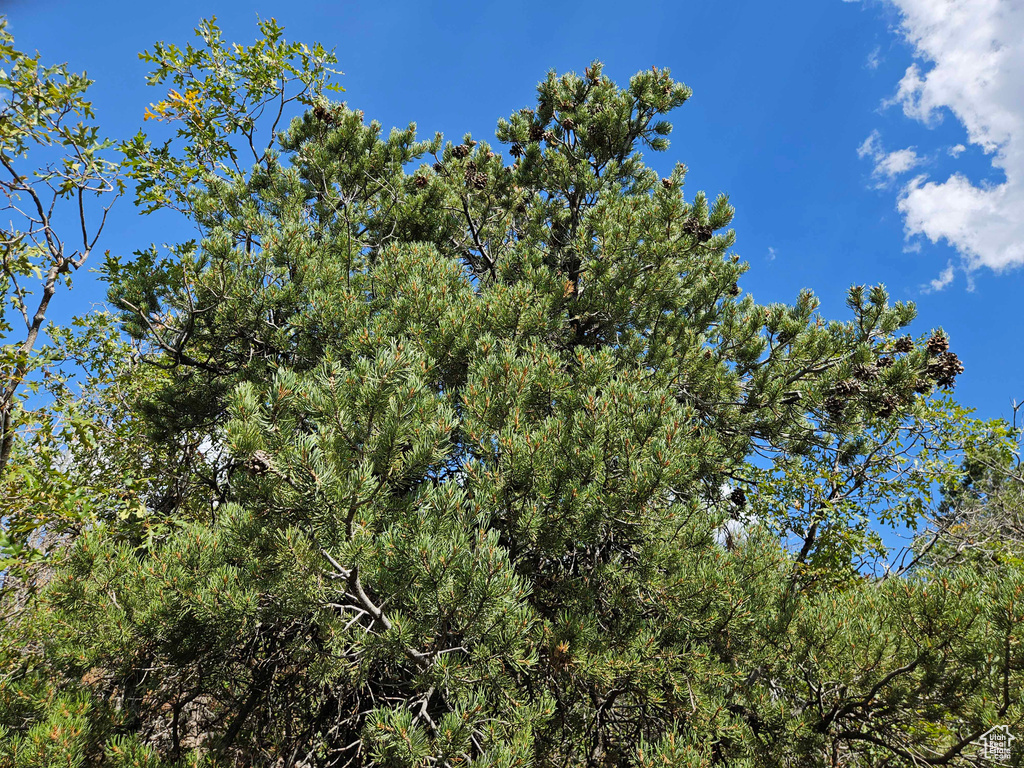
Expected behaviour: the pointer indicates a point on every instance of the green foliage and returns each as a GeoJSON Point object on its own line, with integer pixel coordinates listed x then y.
{"type": "Point", "coordinates": [980, 518]}
{"type": "Point", "coordinates": [46, 120]}
{"type": "Point", "coordinates": [224, 98]}
{"type": "Point", "coordinates": [480, 460]}
{"type": "Point", "coordinates": [57, 207]}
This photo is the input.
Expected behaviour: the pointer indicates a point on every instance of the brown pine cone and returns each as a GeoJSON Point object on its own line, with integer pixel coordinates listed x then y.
{"type": "Point", "coordinates": [904, 344]}
{"type": "Point", "coordinates": [846, 388]}
{"type": "Point", "coordinates": [700, 232]}
{"type": "Point", "coordinates": [945, 369]}
{"type": "Point", "coordinates": [834, 406]}
{"type": "Point", "coordinates": [259, 463]}
{"type": "Point", "coordinates": [937, 344]}
{"type": "Point", "coordinates": [865, 372]}
{"type": "Point", "coordinates": [738, 497]}
{"type": "Point", "coordinates": [922, 386]}
{"type": "Point", "coordinates": [886, 406]}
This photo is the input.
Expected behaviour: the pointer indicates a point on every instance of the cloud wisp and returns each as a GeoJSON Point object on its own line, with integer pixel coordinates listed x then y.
{"type": "Point", "coordinates": [969, 59]}
{"type": "Point", "coordinates": [887, 165]}
{"type": "Point", "coordinates": [942, 281]}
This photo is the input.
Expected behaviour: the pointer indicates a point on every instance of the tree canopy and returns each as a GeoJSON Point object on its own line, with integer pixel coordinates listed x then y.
{"type": "Point", "coordinates": [437, 453]}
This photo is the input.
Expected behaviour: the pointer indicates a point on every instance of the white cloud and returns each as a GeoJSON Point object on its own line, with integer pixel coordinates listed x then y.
{"type": "Point", "coordinates": [874, 58]}
{"type": "Point", "coordinates": [956, 150]}
{"type": "Point", "coordinates": [942, 281]}
{"type": "Point", "coordinates": [895, 163]}
{"type": "Point", "coordinates": [970, 58]}
{"type": "Point", "coordinates": [887, 165]}
{"type": "Point", "coordinates": [871, 146]}
{"type": "Point", "coordinates": [771, 253]}
{"type": "Point", "coordinates": [731, 533]}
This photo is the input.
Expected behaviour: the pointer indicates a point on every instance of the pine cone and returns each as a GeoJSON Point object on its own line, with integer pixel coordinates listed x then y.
{"type": "Point", "coordinates": [477, 180]}
{"type": "Point", "coordinates": [734, 289]}
{"type": "Point", "coordinates": [421, 181]}
{"type": "Point", "coordinates": [886, 406]}
{"type": "Point", "coordinates": [700, 232]}
{"type": "Point", "coordinates": [922, 386]}
{"type": "Point", "coordinates": [846, 388]}
{"type": "Point", "coordinates": [536, 132]}
{"type": "Point", "coordinates": [258, 463]}
{"type": "Point", "coordinates": [945, 369]}
{"type": "Point", "coordinates": [438, 167]}
{"type": "Point", "coordinates": [667, 183]}
{"type": "Point", "coordinates": [461, 151]}
{"type": "Point", "coordinates": [884, 362]}
{"type": "Point", "coordinates": [738, 497]}
{"type": "Point", "coordinates": [937, 344]}
{"type": "Point", "coordinates": [834, 406]}
{"type": "Point", "coordinates": [904, 344]}
{"type": "Point", "coordinates": [569, 124]}
{"type": "Point", "coordinates": [550, 138]}
{"type": "Point", "coordinates": [320, 112]}
{"type": "Point", "coordinates": [516, 150]}
{"type": "Point", "coordinates": [865, 372]}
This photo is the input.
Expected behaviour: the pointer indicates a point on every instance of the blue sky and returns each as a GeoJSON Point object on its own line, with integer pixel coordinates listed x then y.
{"type": "Point", "coordinates": [835, 126]}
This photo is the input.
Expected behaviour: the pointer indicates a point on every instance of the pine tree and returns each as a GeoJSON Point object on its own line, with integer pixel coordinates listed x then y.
{"type": "Point", "coordinates": [451, 444]}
